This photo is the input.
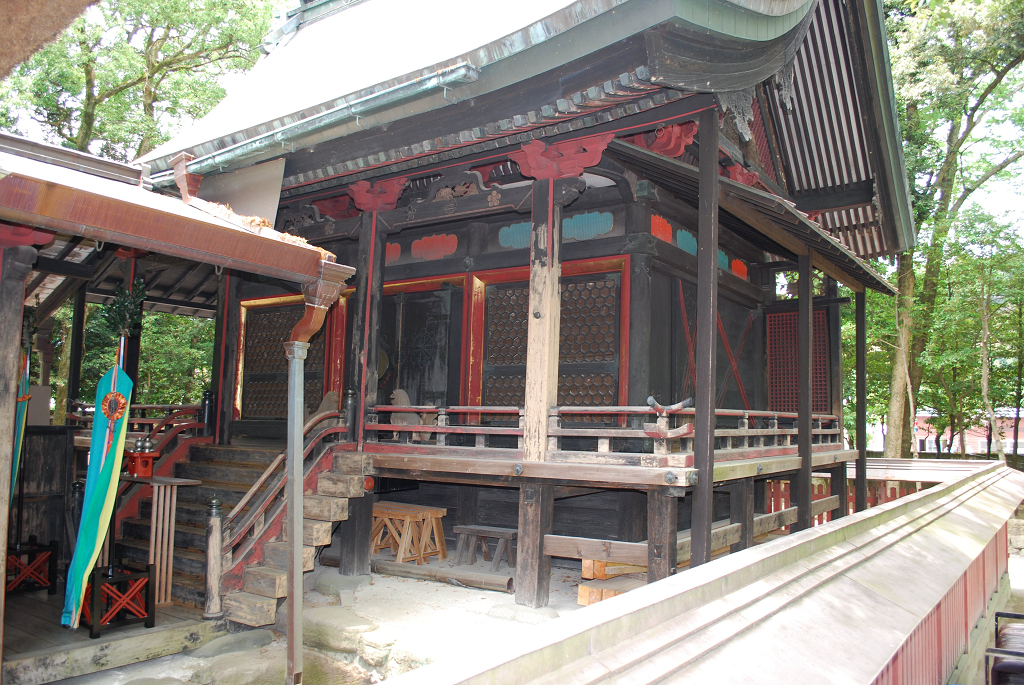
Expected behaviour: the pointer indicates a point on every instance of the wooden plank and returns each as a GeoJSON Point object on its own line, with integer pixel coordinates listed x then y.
{"type": "Point", "coordinates": [775, 520]}
{"type": "Point", "coordinates": [265, 581]}
{"type": "Point", "coordinates": [599, 590]}
{"type": "Point", "coordinates": [631, 522]}
{"type": "Point", "coordinates": [115, 651]}
{"type": "Point", "coordinates": [533, 570]}
{"type": "Point", "coordinates": [590, 548]}
{"type": "Point", "coordinates": [594, 569]}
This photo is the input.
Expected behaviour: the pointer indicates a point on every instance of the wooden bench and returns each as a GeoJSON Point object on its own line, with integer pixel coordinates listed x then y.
{"type": "Point", "coordinates": [1005, 663]}
{"type": "Point", "coordinates": [471, 536]}
{"type": "Point", "coordinates": [412, 531]}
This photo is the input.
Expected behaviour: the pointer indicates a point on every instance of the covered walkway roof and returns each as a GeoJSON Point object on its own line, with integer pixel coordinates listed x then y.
{"type": "Point", "coordinates": [63, 200]}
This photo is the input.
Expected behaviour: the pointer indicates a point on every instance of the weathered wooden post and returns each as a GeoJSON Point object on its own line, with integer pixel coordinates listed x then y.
{"type": "Point", "coordinates": [862, 396]}
{"type": "Point", "coordinates": [214, 560]}
{"type": "Point", "coordinates": [15, 262]}
{"type": "Point", "coordinates": [353, 534]}
{"type": "Point", "coordinates": [556, 170]}
{"type": "Point", "coordinates": [707, 343]}
{"type": "Point", "coordinates": [805, 367]}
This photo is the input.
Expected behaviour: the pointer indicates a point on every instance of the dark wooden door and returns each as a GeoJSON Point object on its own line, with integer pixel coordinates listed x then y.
{"type": "Point", "coordinates": [421, 340]}
{"type": "Point", "coordinates": [47, 471]}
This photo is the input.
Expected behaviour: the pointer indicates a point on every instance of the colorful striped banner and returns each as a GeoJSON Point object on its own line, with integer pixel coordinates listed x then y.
{"type": "Point", "coordinates": [113, 396]}
{"type": "Point", "coordinates": [20, 418]}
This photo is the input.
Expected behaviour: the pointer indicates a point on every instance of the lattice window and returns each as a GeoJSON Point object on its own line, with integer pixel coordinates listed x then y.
{"type": "Point", "coordinates": [265, 368]}
{"type": "Point", "coordinates": [588, 342]}
{"type": "Point", "coordinates": [782, 362]}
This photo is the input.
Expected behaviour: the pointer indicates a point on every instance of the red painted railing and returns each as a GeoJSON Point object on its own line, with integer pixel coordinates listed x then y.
{"type": "Point", "coordinates": [931, 652]}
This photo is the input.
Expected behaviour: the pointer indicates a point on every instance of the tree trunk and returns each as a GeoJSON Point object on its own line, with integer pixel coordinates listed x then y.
{"type": "Point", "coordinates": [993, 427]}
{"type": "Point", "coordinates": [1017, 394]}
{"type": "Point", "coordinates": [898, 409]}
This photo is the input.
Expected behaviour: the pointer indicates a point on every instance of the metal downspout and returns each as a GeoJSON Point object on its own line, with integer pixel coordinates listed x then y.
{"type": "Point", "coordinates": [296, 354]}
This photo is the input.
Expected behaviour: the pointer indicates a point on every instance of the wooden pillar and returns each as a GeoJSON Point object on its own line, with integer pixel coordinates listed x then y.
{"type": "Point", "coordinates": [662, 529]}
{"type": "Point", "coordinates": [838, 486]}
{"type": "Point", "coordinates": [741, 510]}
{"type": "Point", "coordinates": [132, 352]}
{"type": "Point", "coordinates": [556, 170]}
{"type": "Point", "coordinates": [76, 347]}
{"type": "Point", "coordinates": [544, 314]}
{"type": "Point", "coordinates": [352, 537]}
{"type": "Point", "coordinates": [15, 263]}
{"type": "Point", "coordinates": [862, 400]}
{"type": "Point", "coordinates": [805, 365]}
{"type": "Point", "coordinates": [224, 377]}
{"type": "Point", "coordinates": [707, 344]}
{"type": "Point", "coordinates": [467, 504]}
{"type": "Point", "coordinates": [533, 567]}
{"type": "Point", "coordinates": [362, 363]}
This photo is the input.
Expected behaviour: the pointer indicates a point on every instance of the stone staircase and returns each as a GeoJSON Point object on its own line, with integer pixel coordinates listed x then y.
{"type": "Point", "coordinates": [227, 472]}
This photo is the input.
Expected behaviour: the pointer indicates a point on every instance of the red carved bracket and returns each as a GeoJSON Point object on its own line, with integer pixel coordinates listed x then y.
{"type": "Point", "coordinates": [669, 141]}
{"type": "Point", "coordinates": [14, 235]}
{"type": "Point", "coordinates": [561, 160]}
{"type": "Point", "coordinates": [377, 198]}
{"type": "Point", "coordinates": [736, 172]}
{"type": "Point", "coordinates": [188, 184]}
{"type": "Point", "coordinates": [338, 207]}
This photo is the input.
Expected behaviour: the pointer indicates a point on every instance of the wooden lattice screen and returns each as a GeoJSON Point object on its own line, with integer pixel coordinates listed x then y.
{"type": "Point", "coordinates": [265, 368]}
{"type": "Point", "coordinates": [588, 357]}
{"type": "Point", "coordinates": [782, 362]}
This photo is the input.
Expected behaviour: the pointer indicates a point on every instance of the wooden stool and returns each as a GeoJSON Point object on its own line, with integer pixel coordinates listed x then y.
{"type": "Point", "coordinates": [413, 532]}
{"type": "Point", "coordinates": [470, 536]}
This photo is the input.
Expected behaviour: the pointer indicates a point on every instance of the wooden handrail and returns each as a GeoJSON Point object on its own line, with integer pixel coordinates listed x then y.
{"type": "Point", "coordinates": [313, 421]}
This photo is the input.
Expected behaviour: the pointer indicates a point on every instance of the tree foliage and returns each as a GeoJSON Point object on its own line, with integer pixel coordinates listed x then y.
{"type": "Point", "coordinates": [123, 75]}
{"type": "Point", "coordinates": [957, 67]}
{"type": "Point", "coordinates": [175, 357]}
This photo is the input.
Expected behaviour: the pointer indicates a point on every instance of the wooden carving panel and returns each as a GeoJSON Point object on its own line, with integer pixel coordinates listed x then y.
{"type": "Point", "coordinates": [265, 368]}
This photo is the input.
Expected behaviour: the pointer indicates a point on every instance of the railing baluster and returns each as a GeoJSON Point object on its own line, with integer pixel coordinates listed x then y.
{"type": "Point", "coordinates": [442, 422]}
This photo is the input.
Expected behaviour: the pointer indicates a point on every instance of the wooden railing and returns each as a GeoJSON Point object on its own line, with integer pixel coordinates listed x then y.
{"type": "Point", "coordinates": [265, 500]}
{"type": "Point", "coordinates": [650, 436]}
{"type": "Point", "coordinates": [154, 419]}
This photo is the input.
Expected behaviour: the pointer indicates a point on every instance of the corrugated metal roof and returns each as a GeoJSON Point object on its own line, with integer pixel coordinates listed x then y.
{"type": "Point", "coordinates": [821, 134]}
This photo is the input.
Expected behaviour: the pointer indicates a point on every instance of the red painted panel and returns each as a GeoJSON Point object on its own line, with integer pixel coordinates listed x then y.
{"type": "Point", "coordinates": [434, 247]}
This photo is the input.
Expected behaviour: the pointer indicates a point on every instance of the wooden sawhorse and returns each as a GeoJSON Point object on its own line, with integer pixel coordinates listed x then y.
{"type": "Point", "coordinates": [471, 536]}
{"type": "Point", "coordinates": [412, 531]}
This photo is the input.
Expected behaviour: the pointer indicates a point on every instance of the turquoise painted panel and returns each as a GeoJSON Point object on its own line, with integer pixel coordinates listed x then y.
{"type": "Point", "coordinates": [686, 241]}
{"type": "Point", "coordinates": [587, 226]}
{"type": "Point", "coordinates": [723, 260]}
{"type": "Point", "coordinates": [516, 236]}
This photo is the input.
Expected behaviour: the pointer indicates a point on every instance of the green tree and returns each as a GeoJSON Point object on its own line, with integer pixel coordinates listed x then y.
{"type": "Point", "coordinates": [128, 71]}
{"type": "Point", "coordinates": [957, 66]}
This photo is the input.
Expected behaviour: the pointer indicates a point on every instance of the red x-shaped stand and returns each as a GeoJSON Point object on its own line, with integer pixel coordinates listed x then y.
{"type": "Point", "coordinates": [36, 570]}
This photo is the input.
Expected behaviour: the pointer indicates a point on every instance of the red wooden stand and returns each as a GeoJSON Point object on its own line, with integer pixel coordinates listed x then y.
{"type": "Point", "coordinates": [32, 567]}
{"type": "Point", "coordinates": [123, 598]}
